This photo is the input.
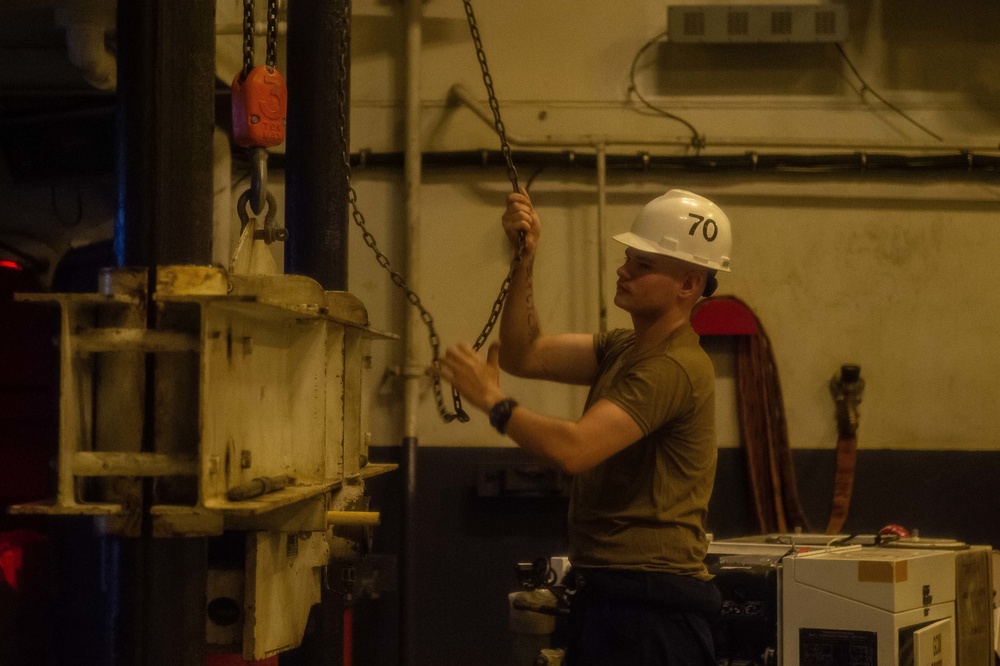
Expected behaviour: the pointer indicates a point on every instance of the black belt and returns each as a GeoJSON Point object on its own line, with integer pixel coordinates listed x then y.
{"type": "Point", "coordinates": [669, 592]}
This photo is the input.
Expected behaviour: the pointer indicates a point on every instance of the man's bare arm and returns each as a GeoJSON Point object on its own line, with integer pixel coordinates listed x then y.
{"type": "Point", "coordinates": [573, 447]}
{"type": "Point", "coordinates": [525, 351]}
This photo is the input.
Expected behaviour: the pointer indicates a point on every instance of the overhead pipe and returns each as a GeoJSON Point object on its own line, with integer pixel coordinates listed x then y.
{"type": "Point", "coordinates": [460, 94]}
{"type": "Point", "coordinates": [644, 161]}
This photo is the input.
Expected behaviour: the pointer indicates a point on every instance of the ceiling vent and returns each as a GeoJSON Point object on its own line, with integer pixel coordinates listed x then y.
{"type": "Point", "coordinates": [749, 24]}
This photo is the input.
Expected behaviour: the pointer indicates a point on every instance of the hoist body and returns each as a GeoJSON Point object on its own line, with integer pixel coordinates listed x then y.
{"type": "Point", "coordinates": [260, 107]}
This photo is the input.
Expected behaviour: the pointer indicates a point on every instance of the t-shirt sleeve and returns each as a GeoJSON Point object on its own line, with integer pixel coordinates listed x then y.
{"type": "Point", "coordinates": [653, 392]}
{"type": "Point", "coordinates": [609, 341]}
{"type": "Point", "coordinates": [600, 345]}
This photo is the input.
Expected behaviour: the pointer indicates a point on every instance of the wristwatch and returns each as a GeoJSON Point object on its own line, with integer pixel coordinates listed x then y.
{"type": "Point", "coordinates": [500, 414]}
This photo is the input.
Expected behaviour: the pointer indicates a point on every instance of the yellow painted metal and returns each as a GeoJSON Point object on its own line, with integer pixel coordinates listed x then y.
{"type": "Point", "coordinates": [363, 518]}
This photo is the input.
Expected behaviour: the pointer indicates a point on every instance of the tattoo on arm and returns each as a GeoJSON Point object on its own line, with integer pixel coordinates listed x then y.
{"type": "Point", "coordinates": [529, 303]}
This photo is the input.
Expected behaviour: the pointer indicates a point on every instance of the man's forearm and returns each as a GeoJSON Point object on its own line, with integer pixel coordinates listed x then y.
{"type": "Point", "coordinates": [519, 325]}
{"type": "Point", "coordinates": [549, 438]}
{"type": "Point", "coordinates": [574, 446]}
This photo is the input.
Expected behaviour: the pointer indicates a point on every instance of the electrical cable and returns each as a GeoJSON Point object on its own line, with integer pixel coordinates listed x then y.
{"type": "Point", "coordinates": [868, 88]}
{"type": "Point", "coordinates": [697, 139]}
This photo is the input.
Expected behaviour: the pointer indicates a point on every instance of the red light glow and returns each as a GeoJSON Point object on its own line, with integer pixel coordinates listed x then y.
{"type": "Point", "coordinates": [13, 265]}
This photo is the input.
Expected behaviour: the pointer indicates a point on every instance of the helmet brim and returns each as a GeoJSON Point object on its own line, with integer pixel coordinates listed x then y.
{"type": "Point", "coordinates": [639, 243]}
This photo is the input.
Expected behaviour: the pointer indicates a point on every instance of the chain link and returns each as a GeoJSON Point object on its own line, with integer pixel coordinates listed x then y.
{"type": "Point", "coordinates": [272, 33]}
{"type": "Point", "coordinates": [247, 37]}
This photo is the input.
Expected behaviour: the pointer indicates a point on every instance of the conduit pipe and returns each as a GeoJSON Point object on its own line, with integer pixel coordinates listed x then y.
{"type": "Point", "coordinates": [412, 174]}
{"type": "Point", "coordinates": [645, 162]}
{"type": "Point", "coordinates": [461, 94]}
{"type": "Point", "coordinates": [412, 371]}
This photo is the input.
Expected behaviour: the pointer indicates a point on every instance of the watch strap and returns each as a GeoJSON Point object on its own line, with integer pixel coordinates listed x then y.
{"type": "Point", "coordinates": [500, 414]}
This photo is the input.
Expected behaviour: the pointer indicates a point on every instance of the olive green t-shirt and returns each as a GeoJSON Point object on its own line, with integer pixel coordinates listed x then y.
{"type": "Point", "coordinates": [645, 507]}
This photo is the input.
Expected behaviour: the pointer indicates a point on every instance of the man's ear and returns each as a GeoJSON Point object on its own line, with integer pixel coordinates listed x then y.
{"type": "Point", "coordinates": [693, 283]}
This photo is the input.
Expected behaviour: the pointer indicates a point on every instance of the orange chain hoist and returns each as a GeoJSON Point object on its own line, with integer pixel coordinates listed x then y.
{"type": "Point", "coordinates": [259, 102]}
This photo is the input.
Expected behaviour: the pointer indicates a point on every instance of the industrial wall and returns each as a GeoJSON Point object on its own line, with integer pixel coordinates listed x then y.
{"type": "Point", "coordinates": [851, 263]}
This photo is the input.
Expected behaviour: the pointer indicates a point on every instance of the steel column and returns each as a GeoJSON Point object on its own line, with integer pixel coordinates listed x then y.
{"type": "Point", "coordinates": [315, 175]}
{"type": "Point", "coordinates": [165, 121]}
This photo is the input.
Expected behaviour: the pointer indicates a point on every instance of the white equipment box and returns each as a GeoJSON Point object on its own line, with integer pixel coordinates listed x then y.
{"type": "Point", "coordinates": [862, 606]}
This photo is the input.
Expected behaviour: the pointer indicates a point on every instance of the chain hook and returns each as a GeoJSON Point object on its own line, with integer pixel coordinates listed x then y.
{"type": "Point", "coordinates": [269, 233]}
{"type": "Point", "coordinates": [241, 210]}
{"type": "Point", "coordinates": [258, 179]}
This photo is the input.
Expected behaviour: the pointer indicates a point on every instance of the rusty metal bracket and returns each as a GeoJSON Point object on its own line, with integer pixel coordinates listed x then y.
{"type": "Point", "coordinates": [847, 390]}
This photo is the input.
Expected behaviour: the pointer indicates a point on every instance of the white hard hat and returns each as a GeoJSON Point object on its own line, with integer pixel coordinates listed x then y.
{"type": "Point", "coordinates": [684, 225]}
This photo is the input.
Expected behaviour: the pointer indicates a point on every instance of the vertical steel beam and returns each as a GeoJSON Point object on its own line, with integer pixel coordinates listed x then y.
{"type": "Point", "coordinates": [165, 122]}
{"type": "Point", "coordinates": [315, 175]}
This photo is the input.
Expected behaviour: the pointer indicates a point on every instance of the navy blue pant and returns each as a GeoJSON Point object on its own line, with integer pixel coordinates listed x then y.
{"type": "Point", "coordinates": [637, 617]}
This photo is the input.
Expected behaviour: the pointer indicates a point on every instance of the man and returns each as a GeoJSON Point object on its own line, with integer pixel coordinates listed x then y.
{"type": "Point", "coordinates": [643, 454]}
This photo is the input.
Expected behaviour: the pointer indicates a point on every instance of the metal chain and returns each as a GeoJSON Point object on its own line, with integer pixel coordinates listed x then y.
{"type": "Point", "coordinates": [381, 258]}
{"type": "Point", "coordinates": [494, 104]}
{"type": "Point", "coordinates": [272, 33]}
{"type": "Point", "coordinates": [511, 174]}
{"type": "Point", "coordinates": [247, 37]}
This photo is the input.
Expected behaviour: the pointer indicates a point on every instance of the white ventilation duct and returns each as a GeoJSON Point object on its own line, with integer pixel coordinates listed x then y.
{"type": "Point", "coordinates": [88, 25]}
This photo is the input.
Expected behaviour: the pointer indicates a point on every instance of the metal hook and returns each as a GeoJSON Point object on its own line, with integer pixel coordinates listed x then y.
{"type": "Point", "coordinates": [258, 179]}
{"type": "Point", "coordinates": [268, 234]}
